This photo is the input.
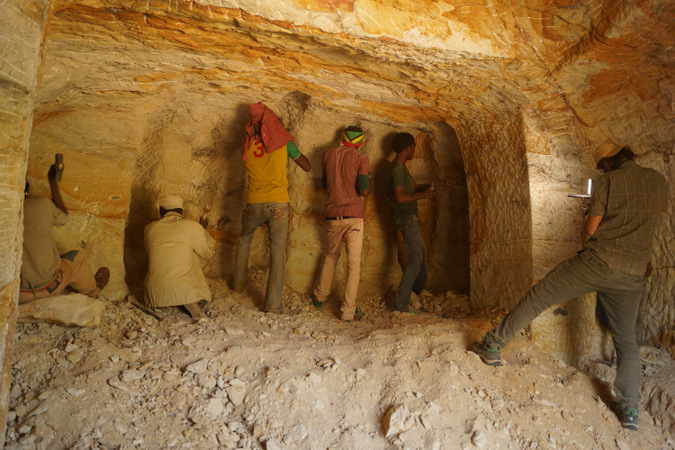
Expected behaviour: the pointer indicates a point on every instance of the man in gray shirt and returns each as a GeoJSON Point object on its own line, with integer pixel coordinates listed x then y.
{"type": "Point", "coordinates": [625, 207]}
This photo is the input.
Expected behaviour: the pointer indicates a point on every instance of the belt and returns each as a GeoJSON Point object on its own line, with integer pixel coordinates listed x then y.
{"type": "Point", "coordinates": [51, 286]}
{"type": "Point", "coordinates": [340, 217]}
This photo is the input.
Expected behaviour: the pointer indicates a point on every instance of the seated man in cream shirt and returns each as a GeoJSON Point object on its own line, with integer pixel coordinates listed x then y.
{"type": "Point", "coordinates": [174, 245]}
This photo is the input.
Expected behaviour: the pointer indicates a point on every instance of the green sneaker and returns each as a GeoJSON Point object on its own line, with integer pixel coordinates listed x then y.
{"type": "Point", "coordinates": [490, 356]}
{"type": "Point", "coordinates": [627, 416]}
{"type": "Point", "coordinates": [317, 304]}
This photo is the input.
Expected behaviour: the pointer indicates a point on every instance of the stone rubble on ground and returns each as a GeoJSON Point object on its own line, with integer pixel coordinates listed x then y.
{"type": "Point", "coordinates": [310, 382]}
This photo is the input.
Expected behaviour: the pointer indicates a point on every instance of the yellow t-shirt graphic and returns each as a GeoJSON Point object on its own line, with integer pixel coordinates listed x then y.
{"type": "Point", "coordinates": [267, 182]}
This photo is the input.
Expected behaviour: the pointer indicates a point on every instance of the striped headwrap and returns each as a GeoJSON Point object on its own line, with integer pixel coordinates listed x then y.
{"type": "Point", "coordinates": [352, 138]}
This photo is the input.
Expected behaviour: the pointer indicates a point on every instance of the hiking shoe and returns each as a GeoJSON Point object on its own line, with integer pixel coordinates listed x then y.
{"type": "Point", "coordinates": [317, 304]}
{"type": "Point", "coordinates": [102, 277]}
{"type": "Point", "coordinates": [490, 356]}
{"type": "Point", "coordinates": [627, 416]}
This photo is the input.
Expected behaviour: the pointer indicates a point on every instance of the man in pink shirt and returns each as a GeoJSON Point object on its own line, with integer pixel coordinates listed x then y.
{"type": "Point", "coordinates": [345, 175]}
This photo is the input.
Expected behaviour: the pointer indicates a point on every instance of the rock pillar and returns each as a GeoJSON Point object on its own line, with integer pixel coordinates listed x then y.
{"type": "Point", "coordinates": [21, 28]}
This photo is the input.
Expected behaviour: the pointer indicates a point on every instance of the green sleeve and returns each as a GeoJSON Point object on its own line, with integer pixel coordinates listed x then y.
{"type": "Point", "coordinates": [292, 150]}
{"type": "Point", "coordinates": [362, 182]}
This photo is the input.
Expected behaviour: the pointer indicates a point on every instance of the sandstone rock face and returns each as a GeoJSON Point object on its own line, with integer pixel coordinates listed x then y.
{"type": "Point", "coordinates": [21, 27]}
{"type": "Point", "coordinates": [146, 98]}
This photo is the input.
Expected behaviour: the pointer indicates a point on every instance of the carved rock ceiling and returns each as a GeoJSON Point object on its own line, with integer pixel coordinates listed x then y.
{"type": "Point", "coordinates": [405, 60]}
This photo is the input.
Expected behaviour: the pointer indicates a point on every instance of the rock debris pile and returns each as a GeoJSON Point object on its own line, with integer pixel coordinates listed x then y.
{"type": "Point", "coordinates": [244, 379]}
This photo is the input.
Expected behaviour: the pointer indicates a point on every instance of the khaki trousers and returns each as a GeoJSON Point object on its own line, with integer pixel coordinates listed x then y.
{"type": "Point", "coordinates": [76, 274]}
{"type": "Point", "coordinates": [619, 294]}
{"type": "Point", "coordinates": [349, 231]}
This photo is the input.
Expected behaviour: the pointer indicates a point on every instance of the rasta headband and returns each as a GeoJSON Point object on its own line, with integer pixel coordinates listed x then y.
{"type": "Point", "coordinates": [352, 138]}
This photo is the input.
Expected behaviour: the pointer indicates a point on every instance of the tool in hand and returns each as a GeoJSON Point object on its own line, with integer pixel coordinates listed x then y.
{"type": "Point", "coordinates": [58, 164]}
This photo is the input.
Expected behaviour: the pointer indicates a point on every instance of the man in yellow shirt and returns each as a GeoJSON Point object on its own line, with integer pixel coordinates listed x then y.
{"type": "Point", "coordinates": [267, 148]}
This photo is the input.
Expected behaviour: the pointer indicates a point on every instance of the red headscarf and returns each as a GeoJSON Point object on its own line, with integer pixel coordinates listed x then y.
{"type": "Point", "coordinates": [274, 136]}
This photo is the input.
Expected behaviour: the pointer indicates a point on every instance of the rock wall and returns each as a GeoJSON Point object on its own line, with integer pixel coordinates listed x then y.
{"type": "Point", "coordinates": [501, 235]}
{"type": "Point", "coordinates": [149, 97]}
{"type": "Point", "coordinates": [21, 27]}
{"type": "Point", "coordinates": [198, 156]}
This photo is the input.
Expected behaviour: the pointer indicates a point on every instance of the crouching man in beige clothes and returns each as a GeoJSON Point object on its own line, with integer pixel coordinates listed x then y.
{"type": "Point", "coordinates": [43, 272]}
{"type": "Point", "coordinates": [173, 244]}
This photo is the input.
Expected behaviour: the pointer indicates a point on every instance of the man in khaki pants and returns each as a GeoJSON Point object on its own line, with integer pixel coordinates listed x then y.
{"type": "Point", "coordinates": [43, 272]}
{"type": "Point", "coordinates": [345, 175]}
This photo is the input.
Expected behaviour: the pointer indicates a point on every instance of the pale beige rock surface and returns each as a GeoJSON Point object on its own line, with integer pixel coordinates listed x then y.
{"type": "Point", "coordinates": [22, 25]}
{"type": "Point", "coordinates": [305, 380]}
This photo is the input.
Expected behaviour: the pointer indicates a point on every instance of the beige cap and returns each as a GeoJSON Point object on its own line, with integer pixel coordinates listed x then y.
{"type": "Point", "coordinates": [170, 202]}
{"type": "Point", "coordinates": [605, 150]}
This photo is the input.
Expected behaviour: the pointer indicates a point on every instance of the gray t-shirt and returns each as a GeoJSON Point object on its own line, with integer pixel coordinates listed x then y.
{"type": "Point", "coordinates": [630, 200]}
{"type": "Point", "coordinates": [399, 176]}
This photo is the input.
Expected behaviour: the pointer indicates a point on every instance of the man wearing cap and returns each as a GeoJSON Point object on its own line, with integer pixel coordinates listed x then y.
{"type": "Point", "coordinates": [175, 275]}
{"type": "Point", "coordinates": [625, 206]}
{"type": "Point", "coordinates": [267, 147]}
{"type": "Point", "coordinates": [43, 272]}
{"type": "Point", "coordinates": [345, 175]}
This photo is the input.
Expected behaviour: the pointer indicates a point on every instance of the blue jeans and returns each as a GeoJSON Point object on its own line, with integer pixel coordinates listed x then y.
{"type": "Point", "coordinates": [415, 273]}
{"type": "Point", "coordinates": [619, 294]}
{"type": "Point", "coordinates": [275, 215]}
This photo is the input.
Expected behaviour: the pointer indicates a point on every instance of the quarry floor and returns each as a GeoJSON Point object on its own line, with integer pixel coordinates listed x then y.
{"type": "Point", "coordinates": [302, 380]}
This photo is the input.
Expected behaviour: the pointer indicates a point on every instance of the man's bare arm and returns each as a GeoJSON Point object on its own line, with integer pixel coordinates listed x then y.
{"type": "Point", "coordinates": [303, 162]}
{"type": "Point", "coordinates": [591, 224]}
{"type": "Point", "coordinates": [401, 197]}
{"type": "Point", "coordinates": [421, 187]}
